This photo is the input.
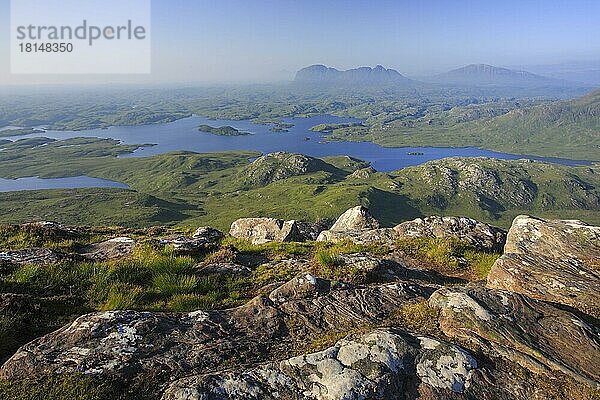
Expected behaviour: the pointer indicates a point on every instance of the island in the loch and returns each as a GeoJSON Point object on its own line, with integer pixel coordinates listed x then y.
{"type": "Point", "coordinates": [222, 130]}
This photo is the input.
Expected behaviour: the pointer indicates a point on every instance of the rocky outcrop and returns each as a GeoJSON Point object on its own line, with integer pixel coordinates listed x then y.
{"type": "Point", "coordinates": [281, 165]}
{"type": "Point", "coordinates": [481, 236]}
{"type": "Point", "coordinates": [204, 238]}
{"type": "Point", "coordinates": [363, 173]}
{"type": "Point", "coordinates": [263, 230]}
{"type": "Point", "coordinates": [123, 344]}
{"type": "Point", "coordinates": [557, 261]}
{"type": "Point", "coordinates": [385, 362]}
{"type": "Point", "coordinates": [36, 255]}
{"type": "Point", "coordinates": [528, 332]}
{"type": "Point", "coordinates": [108, 250]}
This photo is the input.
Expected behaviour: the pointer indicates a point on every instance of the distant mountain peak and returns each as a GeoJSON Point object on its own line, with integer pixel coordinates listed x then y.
{"type": "Point", "coordinates": [485, 74]}
{"type": "Point", "coordinates": [322, 74]}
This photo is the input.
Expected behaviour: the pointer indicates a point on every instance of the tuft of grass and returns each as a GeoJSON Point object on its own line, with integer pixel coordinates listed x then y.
{"type": "Point", "coordinates": [417, 317]}
{"type": "Point", "coordinates": [122, 297]}
{"type": "Point", "coordinates": [328, 259]}
{"type": "Point", "coordinates": [449, 256]}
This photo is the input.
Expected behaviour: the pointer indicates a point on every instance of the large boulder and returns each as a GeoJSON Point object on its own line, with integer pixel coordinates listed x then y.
{"type": "Point", "coordinates": [482, 236]}
{"type": "Point", "coordinates": [557, 261]}
{"type": "Point", "coordinates": [524, 331]}
{"type": "Point", "coordinates": [263, 230]}
{"type": "Point", "coordinates": [384, 361]}
{"type": "Point", "coordinates": [350, 226]}
{"type": "Point", "coordinates": [355, 219]}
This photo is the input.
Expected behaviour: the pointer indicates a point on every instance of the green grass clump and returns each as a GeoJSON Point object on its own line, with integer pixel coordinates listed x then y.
{"type": "Point", "coordinates": [328, 259]}
{"type": "Point", "coordinates": [449, 256]}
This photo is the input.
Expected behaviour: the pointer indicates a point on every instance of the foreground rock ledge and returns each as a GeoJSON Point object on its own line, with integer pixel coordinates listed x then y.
{"type": "Point", "coordinates": [385, 362]}
{"type": "Point", "coordinates": [124, 344]}
{"type": "Point", "coordinates": [557, 261]}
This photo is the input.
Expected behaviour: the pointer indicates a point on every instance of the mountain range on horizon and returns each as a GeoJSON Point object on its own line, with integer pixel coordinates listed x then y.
{"type": "Point", "coordinates": [321, 74]}
{"type": "Point", "coordinates": [470, 75]}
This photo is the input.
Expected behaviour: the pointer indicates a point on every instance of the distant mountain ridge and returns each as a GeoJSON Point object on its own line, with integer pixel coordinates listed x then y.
{"type": "Point", "coordinates": [321, 74]}
{"type": "Point", "coordinates": [483, 74]}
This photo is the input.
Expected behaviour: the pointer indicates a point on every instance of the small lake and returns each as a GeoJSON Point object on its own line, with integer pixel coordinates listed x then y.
{"type": "Point", "coordinates": [74, 182]}
{"type": "Point", "coordinates": [183, 134]}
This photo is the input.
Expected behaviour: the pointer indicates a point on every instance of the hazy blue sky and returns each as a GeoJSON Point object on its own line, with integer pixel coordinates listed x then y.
{"type": "Point", "coordinates": [260, 40]}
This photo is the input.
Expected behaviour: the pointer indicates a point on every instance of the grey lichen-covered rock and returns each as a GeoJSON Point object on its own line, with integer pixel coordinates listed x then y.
{"type": "Point", "coordinates": [534, 334]}
{"type": "Point", "coordinates": [203, 238]}
{"type": "Point", "coordinates": [482, 236]}
{"type": "Point", "coordinates": [108, 250]}
{"type": "Point", "coordinates": [556, 261]}
{"type": "Point", "coordinates": [36, 255]}
{"type": "Point", "coordinates": [377, 365]}
{"type": "Point", "coordinates": [127, 344]}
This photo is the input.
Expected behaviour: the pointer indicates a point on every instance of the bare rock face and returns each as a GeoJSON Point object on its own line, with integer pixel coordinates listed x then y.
{"type": "Point", "coordinates": [263, 230]}
{"type": "Point", "coordinates": [108, 250]}
{"type": "Point", "coordinates": [355, 219]}
{"type": "Point", "coordinates": [380, 364]}
{"type": "Point", "coordinates": [482, 236]}
{"type": "Point", "coordinates": [125, 344]}
{"type": "Point", "coordinates": [534, 334]}
{"type": "Point", "coordinates": [557, 261]}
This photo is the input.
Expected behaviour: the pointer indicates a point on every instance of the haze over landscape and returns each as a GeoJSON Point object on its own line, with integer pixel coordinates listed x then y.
{"type": "Point", "coordinates": [266, 41]}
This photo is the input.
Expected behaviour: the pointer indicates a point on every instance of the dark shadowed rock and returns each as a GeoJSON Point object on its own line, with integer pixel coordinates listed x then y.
{"type": "Point", "coordinates": [379, 364]}
{"type": "Point", "coordinates": [108, 250]}
{"type": "Point", "coordinates": [481, 236]}
{"type": "Point", "coordinates": [556, 261]}
{"type": "Point", "coordinates": [534, 334]}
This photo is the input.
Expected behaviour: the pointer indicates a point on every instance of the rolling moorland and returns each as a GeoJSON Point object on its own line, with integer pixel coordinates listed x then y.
{"type": "Point", "coordinates": [190, 189]}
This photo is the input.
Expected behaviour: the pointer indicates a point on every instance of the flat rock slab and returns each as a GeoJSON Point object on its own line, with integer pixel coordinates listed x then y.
{"type": "Point", "coordinates": [532, 333]}
{"type": "Point", "coordinates": [556, 261]}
